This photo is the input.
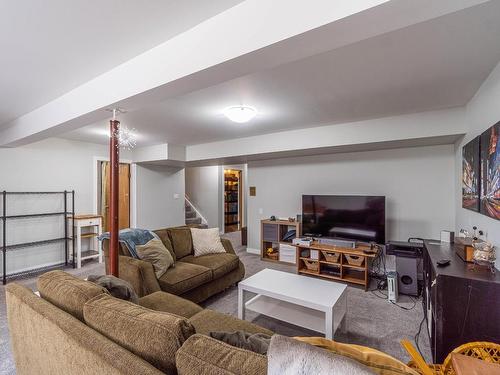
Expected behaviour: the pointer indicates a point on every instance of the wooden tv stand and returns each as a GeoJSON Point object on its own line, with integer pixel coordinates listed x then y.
{"type": "Point", "coordinates": [343, 269]}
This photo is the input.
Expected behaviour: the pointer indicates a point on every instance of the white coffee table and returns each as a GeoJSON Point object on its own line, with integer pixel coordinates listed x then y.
{"type": "Point", "coordinates": [315, 304]}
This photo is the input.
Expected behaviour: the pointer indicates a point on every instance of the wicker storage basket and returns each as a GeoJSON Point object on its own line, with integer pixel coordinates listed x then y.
{"type": "Point", "coordinates": [273, 256]}
{"type": "Point", "coordinates": [331, 256]}
{"type": "Point", "coordinates": [354, 260]}
{"type": "Point", "coordinates": [311, 265]}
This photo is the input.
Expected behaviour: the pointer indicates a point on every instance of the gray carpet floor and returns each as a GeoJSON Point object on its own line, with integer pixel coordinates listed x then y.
{"type": "Point", "coordinates": [371, 319]}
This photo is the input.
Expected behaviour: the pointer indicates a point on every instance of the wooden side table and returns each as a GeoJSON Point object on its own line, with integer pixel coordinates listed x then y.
{"type": "Point", "coordinates": [88, 226]}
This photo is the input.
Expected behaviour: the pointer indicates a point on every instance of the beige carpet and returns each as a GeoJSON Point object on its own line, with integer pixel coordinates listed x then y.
{"type": "Point", "coordinates": [371, 320]}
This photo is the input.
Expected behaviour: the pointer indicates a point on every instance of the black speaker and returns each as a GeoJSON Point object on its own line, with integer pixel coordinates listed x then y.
{"type": "Point", "coordinates": [407, 275]}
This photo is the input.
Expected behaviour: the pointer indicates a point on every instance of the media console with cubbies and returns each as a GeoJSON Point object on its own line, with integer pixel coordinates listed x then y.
{"type": "Point", "coordinates": [335, 263]}
{"type": "Point", "coordinates": [272, 234]}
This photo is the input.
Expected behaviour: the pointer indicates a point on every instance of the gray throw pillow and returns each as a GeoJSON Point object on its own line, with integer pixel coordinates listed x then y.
{"type": "Point", "coordinates": [256, 342]}
{"type": "Point", "coordinates": [157, 254]}
{"type": "Point", "coordinates": [116, 287]}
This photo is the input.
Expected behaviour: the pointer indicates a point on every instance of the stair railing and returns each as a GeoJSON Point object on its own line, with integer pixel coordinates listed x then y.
{"type": "Point", "coordinates": [198, 213]}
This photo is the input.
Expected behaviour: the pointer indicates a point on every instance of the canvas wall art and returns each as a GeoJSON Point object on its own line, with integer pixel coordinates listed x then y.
{"type": "Point", "coordinates": [470, 175]}
{"type": "Point", "coordinates": [490, 172]}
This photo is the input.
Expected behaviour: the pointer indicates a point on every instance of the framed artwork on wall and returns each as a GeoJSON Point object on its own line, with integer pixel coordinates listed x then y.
{"type": "Point", "coordinates": [490, 172]}
{"type": "Point", "coordinates": [471, 175]}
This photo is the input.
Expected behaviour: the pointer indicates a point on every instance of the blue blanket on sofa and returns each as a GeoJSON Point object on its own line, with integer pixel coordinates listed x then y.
{"type": "Point", "coordinates": [131, 237]}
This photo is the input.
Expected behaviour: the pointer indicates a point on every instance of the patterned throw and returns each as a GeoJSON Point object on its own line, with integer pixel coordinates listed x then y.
{"type": "Point", "coordinates": [131, 237]}
{"type": "Point", "coordinates": [290, 356]}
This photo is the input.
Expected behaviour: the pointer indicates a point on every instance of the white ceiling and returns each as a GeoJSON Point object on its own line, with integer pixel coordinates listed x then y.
{"type": "Point", "coordinates": [49, 47]}
{"type": "Point", "coordinates": [436, 64]}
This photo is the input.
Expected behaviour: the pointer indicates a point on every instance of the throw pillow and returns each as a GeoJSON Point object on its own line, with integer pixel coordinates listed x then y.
{"type": "Point", "coordinates": [163, 234]}
{"type": "Point", "coordinates": [256, 342]}
{"type": "Point", "coordinates": [206, 241]}
{"type": "Point", "coordinates": [116, 287]}
{"type": "Point", "coordinates": [157, 254]}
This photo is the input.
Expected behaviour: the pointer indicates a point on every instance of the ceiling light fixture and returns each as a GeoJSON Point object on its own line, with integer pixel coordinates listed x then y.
{"type": "Point", "coordinates": [240, 113]}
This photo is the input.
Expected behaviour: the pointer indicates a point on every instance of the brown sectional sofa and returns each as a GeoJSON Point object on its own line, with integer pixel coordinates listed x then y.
{"type": "Point", "coordinates": [193, 278]}
{"type": "Point", "coordinates": [75, 327]}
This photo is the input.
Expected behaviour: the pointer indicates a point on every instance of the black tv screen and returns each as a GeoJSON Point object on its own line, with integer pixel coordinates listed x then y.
{"type": "Point", "coordinates": [350, 217]}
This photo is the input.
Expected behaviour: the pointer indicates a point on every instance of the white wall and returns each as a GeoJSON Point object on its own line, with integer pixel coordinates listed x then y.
{"type": "Point", "coordinates": [56, 165]}
{"type": "Point", "coordinates": [50, 165]}
{"type": "Point", "coordinates": [482, 112]}
{"type": "Point", "coordinates": [160, 196]}
{"type": "Point", "coordinates": [418, 184]}
{"type": "Point", "coordinates": [202, 188]}
{"type": "Point", "coordinates": [205, 189]}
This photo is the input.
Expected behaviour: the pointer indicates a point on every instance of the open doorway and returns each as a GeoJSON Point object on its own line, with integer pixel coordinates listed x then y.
{"type": "Point", "coordinates": [233, 200]}
{"type": "Point", "coordinates": [123, 197]}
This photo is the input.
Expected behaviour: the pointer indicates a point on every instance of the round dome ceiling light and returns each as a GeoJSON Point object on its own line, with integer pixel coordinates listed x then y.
{"type": "Point", "coordinates": [240, 113]}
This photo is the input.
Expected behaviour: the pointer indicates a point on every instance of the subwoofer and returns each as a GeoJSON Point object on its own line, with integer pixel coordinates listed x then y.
{"type": "Point", "coordinates": [406, 269]}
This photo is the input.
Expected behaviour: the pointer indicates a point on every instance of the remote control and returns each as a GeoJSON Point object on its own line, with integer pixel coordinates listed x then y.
{"type": "Point", "coordinates": [443, 262]}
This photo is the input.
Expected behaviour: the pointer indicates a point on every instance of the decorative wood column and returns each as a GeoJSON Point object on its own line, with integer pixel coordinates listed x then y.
{"type": "Point", "coordinates": [114, 158]}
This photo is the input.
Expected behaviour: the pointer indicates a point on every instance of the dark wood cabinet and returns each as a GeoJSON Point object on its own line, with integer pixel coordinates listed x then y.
{"type": "Point", "coordinates": [461, 301]}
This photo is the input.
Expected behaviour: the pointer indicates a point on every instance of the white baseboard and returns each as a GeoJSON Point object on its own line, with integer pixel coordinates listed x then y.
{"type": "Point", "coordinates": [253, 251]}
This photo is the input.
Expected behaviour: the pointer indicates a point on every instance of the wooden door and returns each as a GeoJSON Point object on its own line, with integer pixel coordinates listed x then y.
{"type": "Point", "coordinates": [123, 197]}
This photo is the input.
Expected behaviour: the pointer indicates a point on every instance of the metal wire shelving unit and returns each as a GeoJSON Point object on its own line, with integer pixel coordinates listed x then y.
{"type": "Point", "coordinates": [65, 237]}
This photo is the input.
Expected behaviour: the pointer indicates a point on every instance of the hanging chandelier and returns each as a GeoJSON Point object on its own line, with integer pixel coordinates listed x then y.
{"type": "Point", "coordinates": [126, 138]}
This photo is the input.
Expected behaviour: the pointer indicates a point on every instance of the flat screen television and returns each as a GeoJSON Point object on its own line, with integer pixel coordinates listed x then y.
{"type": "Point", "coordinates": [351, 217]}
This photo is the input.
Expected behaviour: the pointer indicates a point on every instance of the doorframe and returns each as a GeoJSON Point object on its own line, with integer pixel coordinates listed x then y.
{"type": "Point", "coordinates": [244, 175]}
{"type": "Point", "coordinates": [133, 187]}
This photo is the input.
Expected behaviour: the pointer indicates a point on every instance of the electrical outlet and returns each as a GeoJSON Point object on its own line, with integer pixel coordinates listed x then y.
{"type": "Point", "coordinates": [176, 196]}
{"type": "Point", "coordinates": [261, 211]}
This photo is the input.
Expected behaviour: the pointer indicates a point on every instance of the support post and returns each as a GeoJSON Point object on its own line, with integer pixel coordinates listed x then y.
{"type": "Point", "coordinates": [114, 158]}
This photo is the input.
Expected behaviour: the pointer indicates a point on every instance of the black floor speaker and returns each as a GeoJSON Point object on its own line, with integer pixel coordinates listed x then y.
{"type": "Point", "coordinates": [407, 275]}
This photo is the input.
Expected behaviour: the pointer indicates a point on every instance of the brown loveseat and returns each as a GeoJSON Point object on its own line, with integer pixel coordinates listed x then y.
{"type": "Point", "coordinates": [193, 278]}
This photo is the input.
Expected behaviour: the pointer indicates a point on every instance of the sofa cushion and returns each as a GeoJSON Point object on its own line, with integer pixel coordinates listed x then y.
{"type": "Point", "coordinates": [166, 302]}
{"type": "Point", "coordinates": [208, 321]}
{"type": "Point", "coordinates": [379, 362]}
{"type": "Point", "coordinates": [220, 264]}
{"type": "Point", "coordinates": [45, 340]}
{"type": "Point", "coordinates": [203, 355]}
{"type": "Point", "coordinates": [157, 254]}
{"type": "Point", "coordinates": [163, 234]}
{"type": "Point", "coordinates": [67, 292]}
{"type": "Point", "coordinates": [184, 277]}
{"type": "Point", "coordinates": [181, 240]}
{"type": "Point", "coordinates": [152, 335]}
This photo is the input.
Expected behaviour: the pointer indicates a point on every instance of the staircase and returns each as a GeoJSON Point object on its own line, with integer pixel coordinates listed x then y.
{"type": "Point", "coordinates": [193, 217]}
